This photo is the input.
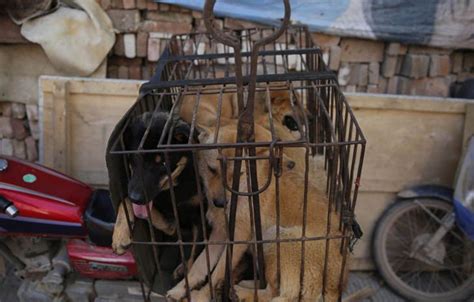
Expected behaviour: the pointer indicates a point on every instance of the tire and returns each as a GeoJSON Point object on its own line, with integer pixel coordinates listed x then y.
{"type": "Point", "coordinates": [387, 237]}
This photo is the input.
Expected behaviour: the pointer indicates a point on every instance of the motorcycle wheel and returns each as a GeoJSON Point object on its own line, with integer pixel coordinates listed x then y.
{"type": "Point", "coordinates": [400, 230]}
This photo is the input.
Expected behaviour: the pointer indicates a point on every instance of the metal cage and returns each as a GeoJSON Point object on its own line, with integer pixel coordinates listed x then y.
{"type": "Point", "coordinates": [325, 154]}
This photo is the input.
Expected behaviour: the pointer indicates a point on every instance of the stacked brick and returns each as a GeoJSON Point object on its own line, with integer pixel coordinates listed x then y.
{"type": "Point", "coordinates": [19, 131]}
{"type": "Point", "coordinates": [144, 28]}
{"type": "Point", "coordinates": [394, 68]}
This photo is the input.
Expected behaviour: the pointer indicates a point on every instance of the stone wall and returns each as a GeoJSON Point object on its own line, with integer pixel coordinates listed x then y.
{"type": "Point", "coordinates": [362, 65]}
{"type": "Point", "coordinates": [19, 130]}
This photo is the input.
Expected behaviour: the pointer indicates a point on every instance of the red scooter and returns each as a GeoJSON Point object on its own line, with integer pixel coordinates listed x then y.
{"type": "Point", "coordinates": [51, 225]}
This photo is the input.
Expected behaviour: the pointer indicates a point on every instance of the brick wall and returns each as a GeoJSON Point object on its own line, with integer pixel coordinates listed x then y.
{"type": "Point", "coordinates": [19, 130]}
{"type": "Point", "coordinates": [362, 65]}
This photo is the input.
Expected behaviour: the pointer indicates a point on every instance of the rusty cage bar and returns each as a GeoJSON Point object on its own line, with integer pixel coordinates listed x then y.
{"type": "Point", "coordinates": [276, 81]}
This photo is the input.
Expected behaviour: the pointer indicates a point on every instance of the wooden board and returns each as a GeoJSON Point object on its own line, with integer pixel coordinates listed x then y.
{"type": "Point", "coordinates": [77, 117]}
{"type": "Point", "coordinates": [410, 140]}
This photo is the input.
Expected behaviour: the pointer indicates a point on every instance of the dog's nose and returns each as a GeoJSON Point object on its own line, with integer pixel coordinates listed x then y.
{"type": "Point", "coordinates": [220, 203]}
{"type": "Point", "coordinates": [135, 197]}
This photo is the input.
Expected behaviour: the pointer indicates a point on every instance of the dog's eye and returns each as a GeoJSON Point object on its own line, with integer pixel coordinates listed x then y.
{"type": "Point", "coordinates": [290, 123]}
{"type": "Point", "coordinates": [213, 170]}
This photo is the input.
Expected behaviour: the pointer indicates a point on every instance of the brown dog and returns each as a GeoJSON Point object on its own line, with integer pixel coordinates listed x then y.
{"type": "Point", "coordinates": [291, 205]}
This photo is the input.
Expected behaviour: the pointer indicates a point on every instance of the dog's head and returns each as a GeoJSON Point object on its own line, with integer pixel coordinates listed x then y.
{"type": "Point", "coordinates": [149, 171]}
{"type": "Point", "coordinates": [291, 117]}
{"type": "Point", "coordinates": [211, 168]}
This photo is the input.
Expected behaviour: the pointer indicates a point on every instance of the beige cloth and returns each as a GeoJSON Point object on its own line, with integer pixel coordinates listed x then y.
{"type": "Point", "coordinates": [76, 41]}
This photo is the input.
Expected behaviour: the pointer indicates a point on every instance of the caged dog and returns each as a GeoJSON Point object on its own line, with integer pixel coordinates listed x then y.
{"type": "Point", "coordinates": [291, 222]}
{"type": "Point", "coordinates": [149, 186]}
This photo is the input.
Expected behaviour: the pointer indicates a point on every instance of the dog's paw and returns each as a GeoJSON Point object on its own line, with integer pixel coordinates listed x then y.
{"type": "Point", "coordinates": [176, 293]}
{"type": "Point", "coordinates": [201, 295]}
{"type": "Point", "coordinates": [121, 240]}
{"type": "Point", "coordinates": [243, 293]}
{"type": "Point", "coordinates": [170, 229]}
{"type": "Point", "coordinates": [178, 272]}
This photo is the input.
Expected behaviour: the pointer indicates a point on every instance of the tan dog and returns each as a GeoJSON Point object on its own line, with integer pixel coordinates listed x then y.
{"type": "Point", "coordinates": [207, 110]}
{"type": "Point", "coordinates": [291, 206]}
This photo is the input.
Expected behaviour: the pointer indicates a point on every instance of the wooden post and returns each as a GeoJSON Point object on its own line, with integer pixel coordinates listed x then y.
{"type": "Point", "coordinates": [60, 137]}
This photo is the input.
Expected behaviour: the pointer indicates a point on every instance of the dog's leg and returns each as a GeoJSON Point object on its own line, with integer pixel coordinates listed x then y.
{"type": "Point", "coordinates": [247, 294]}
{"type": "Point", "coordinates": [160, 223]}
{"type": "Point", "coordinates": [179, 271]}
{"type": "Point", "coordinates": [198, 272]}
{"type": "Point", "coordinates": [121, 238]}
{"type": "Point", "coordinates": [242, 233]}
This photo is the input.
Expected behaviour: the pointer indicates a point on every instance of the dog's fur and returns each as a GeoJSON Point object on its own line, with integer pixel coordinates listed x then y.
{"type": "Point", "coordinates": [150, 181]}
{"type": "Point", "coordinates": [291, 207]}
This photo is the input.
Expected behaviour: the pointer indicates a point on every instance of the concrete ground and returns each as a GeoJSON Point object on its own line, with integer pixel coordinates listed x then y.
{"type": "Point", "coordinates": [357, 281]}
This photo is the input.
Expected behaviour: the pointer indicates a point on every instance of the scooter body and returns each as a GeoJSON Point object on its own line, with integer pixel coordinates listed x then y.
{"type": "Point", "coordinates": [44, 208]}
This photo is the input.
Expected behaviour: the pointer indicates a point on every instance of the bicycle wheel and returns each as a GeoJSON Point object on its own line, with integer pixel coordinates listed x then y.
{"type": "Point", "coordinates": [445, 274]}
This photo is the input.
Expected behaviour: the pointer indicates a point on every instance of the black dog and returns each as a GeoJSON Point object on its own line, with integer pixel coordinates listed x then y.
{"type": "Point", "coordinates": [149, 184]}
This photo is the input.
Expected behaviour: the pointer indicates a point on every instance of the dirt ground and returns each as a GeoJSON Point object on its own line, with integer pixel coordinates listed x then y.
{"type": "Point", "coordinates": [357, 281]}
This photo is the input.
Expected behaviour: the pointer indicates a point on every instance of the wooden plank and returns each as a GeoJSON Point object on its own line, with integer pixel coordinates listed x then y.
{"type": "Point", "coordinates": [405, 103]}
{"type": "Point", "coordinates": [93, 86]}
{"type": "Point", "coordinates": [468, 123]}
{"type": "Point", "coordinates": [60, 134]}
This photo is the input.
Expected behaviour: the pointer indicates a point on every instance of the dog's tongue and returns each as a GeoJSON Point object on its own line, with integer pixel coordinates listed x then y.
{"type": "Point", "coordinates": [140, 211]}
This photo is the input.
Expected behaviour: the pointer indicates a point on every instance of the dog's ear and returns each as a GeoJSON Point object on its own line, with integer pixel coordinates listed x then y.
{"type": "Point", "coordinates": [279, 97]}
{"type": "Point", "coordinates": [181, 132]}
{"type": "Point", "coordinates": [204, 133]}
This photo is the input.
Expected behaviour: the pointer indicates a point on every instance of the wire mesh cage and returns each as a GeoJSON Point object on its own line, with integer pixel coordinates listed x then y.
{"type": "Point", "coordinates": [236, 172]}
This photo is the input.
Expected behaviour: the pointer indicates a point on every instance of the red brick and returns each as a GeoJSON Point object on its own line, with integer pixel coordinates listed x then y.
{"type": "Point", "coordinates": [135, 72]}
{"type": "Point", "coordinates": [5, 109]}
{"type": "Point", "coordinates": [19, 149]}
{"type": "Point", "coordinates": [325, 41]}
{"type": "Point", "coordinates": [153, 49]}
{"type": "Point", "coordinates": [439, 66]}
{"type": "Point", "coordinates": [122, 61]}
{"type": "Point", "coordinates": [6, 129]}
{"type": "Point", "coordinates": [335, 58]}
{"type": "Point", "coordinates": [358, 50]}
{"type": "Point", "coordinates": [116, 3]}
{"type": "Point", "coordinates": [142, 44]}
{"type": "Point", "coordinates": [167, 27]}
{"type": "Point", "coordinates": [456, 58]}
{"type": "Point", "coordinates": [32, 112]}
{"type": "Point", "coordinates": [125, 20]}
{"type": "Point", "coordinates": [6, 147]}
{"type": "Point", "coordinates": [31, 149]}
{"type": "Point", "coordinates": [363, 77]}
{"type": "Point", "coordinates": [374, 73]}
{"type": "Point", "coordinates": [112, 72]}
{"type": "Point", "coordinates": [151, 5]}
{"type": "Point", "coordinates": [123, 72]}
{"type": "Point", "coordinates": [232, 23]}
{"type": "Point", "coordinates": [415, 66]}
{"type": "Point", "coordinates": [389, 66]}
{"type": "Point", "coordinates": [169, 17]}
{"type": "Point", "coordinates": [119, 47]}
{"type": "Point", "coordinates": [395, 49]}
{"type": "Point", "coordinates": [18, 110]}
{"type": "Point", "coordinates": [19, 129]}
{"type": "Point", "coordinates": [425, 50]}
{"type": "Point", "coordinates": [106, 4]}
{"type": "Point", "coordinates": [164, 7]}
{"type": "Point", "coordinates": [129, 4]}
{"type": "Point", "coordinates": [431, 87]}
{"type": "Point", "coordinates": [141, 4]}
